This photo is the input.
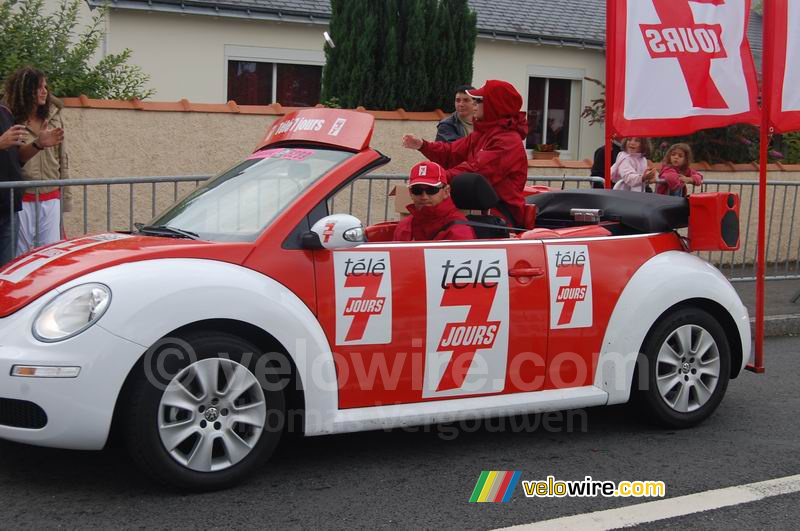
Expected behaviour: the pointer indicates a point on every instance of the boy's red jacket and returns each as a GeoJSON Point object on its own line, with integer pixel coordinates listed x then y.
{"type": "Point", "coordinates": [425, 224]}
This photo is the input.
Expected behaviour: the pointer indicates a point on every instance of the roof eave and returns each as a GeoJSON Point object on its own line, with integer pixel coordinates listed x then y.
{"type": "Point", "coordinates": [562, 42]}
{"type": "Point", "coordinates": [187, 8]}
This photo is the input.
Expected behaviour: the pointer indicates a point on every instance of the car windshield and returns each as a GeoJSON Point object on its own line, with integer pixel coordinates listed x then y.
{"type": "Point", "coordinates": [239, 203]}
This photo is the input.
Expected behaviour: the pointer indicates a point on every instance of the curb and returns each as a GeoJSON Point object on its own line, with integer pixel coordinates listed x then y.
{"type": "Point", "coordinates": [779, 325]}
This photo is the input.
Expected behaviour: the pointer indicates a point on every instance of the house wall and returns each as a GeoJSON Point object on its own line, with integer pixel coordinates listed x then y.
{"type": "Point", "coordinates": [185, 57]}
{"type": "Point", "coordinates": [511, 61]}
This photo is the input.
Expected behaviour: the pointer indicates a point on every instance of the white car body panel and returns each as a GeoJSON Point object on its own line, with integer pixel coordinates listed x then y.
{"type": "Point", "coordinates": [182, 291]}
{"type": "Point", "coordinates": [179, 292]}
{"type": "Point", "coordinates": [662, 282]}
{"type": "Point", "coordinates": [79, 410]}
{"type": "Point", "coordinates": [440, 411]}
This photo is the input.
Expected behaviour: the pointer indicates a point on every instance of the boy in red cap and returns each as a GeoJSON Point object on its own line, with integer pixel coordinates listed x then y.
{"type": "Point", "coordinates": [494, 149]}
{"type": "Point", "coordinates": [433, 214]}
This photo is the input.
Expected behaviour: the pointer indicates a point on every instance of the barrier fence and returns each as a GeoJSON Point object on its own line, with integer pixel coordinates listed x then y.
{"type": "Point", "coordinates": [116, 204]}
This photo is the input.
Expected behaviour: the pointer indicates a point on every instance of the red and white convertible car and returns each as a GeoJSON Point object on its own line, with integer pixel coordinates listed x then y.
{"type": "Point", "coordinates": [250, 307]}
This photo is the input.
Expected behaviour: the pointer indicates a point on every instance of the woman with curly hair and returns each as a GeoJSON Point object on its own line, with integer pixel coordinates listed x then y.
{"type": "Point", "coordinates": [32, 106]}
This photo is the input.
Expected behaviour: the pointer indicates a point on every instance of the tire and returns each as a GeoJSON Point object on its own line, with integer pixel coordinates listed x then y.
{"type": "Point", "coordinates": [684, 368]}
{"type": "Point", "coordinates": [198, 418]}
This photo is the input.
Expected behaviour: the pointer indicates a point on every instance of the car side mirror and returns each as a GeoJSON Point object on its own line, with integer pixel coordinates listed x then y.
{"type": "Point", "coordinates": [310, 241]}
{"type": "Point", "coordinates": [339, 231]}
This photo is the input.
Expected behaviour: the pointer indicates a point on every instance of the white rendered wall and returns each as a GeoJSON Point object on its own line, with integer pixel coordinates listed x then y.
{"type": "Point", "coordinates": [513, 61]}
{"type": "Point", "coordinates": [185, 55]}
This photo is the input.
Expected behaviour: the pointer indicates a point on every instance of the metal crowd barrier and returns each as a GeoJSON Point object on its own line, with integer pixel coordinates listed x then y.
{"type": "Point", "coordinates": [368, 198]}
{"type": "Point", "coordinates": [173, 182]}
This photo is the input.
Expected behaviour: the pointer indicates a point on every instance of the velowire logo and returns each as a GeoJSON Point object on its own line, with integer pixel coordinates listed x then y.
{"type": "Point", "coordinates": [495, 486]}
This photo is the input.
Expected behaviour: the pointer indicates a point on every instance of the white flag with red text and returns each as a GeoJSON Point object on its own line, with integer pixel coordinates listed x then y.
{"type": "Point", "coordinates": [784, 62]}
{"type": "Point", "coordinates": [679, 66]}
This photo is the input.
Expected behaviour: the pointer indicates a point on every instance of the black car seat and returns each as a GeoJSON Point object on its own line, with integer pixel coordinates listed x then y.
{"type": "Point", "coordinates": [471, 191]}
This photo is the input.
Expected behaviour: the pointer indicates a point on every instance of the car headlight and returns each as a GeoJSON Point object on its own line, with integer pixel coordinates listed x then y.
{"type": "Point", "coordinates": [71, 312]}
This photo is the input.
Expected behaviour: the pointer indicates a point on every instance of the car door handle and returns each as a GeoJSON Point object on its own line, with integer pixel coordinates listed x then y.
{"type": "Point", "coordinates": [526, 272]}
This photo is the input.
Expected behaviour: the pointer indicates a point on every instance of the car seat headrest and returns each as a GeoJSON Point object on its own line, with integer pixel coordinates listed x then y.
{"type": "Point", "coordinates": [471, 191]}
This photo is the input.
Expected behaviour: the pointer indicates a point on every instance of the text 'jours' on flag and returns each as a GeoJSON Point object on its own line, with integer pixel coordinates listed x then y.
{"type": "Point", "coordinates": [678, 66]}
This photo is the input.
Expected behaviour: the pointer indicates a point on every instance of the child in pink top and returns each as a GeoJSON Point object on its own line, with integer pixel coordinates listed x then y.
{"type": "Point", "coordinates": [676, 172]}
{"type": "Point", "coordinates": [630, 171]}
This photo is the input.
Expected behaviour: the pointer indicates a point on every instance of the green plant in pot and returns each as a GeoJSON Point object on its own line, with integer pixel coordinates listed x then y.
{"type": "Point", "coordinates": [545, 151]}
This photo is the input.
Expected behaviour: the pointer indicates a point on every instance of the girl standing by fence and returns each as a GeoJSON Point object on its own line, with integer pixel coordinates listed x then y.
{"type": "Point", "coordinates": [630, 171]}
{"type": "Point", "coordinates": [676, 172]}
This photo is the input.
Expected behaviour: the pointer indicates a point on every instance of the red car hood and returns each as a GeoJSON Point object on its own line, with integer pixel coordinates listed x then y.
{"type": "Point", "coordinates": [31, 275]}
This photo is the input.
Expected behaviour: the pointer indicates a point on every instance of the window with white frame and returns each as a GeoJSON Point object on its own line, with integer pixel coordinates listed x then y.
{"type": "Point", "coordinates": [260, 76]}
{"type": "Point", "coordinates": [554, 98]}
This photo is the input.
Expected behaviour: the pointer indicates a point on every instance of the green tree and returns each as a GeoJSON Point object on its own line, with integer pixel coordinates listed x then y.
{"type": "Point", "coordinates": [465, 31]}
{"type": "Point", "coordinates": [413, 60]}
{"type": "Point", "coordinates": [398, 53]}
{"type": "Point", "coordinates": [363, 86]}
{"type": "Point", "coordinates": [332, 83]}
{"type": "Point", "coordinates": [451, 37]}
{"type": "Point", "coordinates": [441, 47]}
{"type": "Point", "coordinates": [347, 66]}
{"type": "Point", "coordinates": [51, 44]}
{"type": "Point", "coordinates": [387, 90]}
{"type": "Point", "coordinates": [790, 147]}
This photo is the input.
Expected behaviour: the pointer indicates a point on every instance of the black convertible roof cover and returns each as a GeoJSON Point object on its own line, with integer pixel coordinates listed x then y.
{"type": "Point", "coordinates": [637, 210]}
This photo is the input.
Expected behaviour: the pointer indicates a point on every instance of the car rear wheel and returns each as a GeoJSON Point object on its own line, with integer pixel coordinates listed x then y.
{"type": "Point", "coordinates": [201, 417]}
{"type": "Point", "coordinates": [684, 368]}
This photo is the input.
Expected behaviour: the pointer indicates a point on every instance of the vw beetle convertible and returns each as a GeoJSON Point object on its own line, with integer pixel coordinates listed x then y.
{"type": "Point", "coordinates": [249, 309]}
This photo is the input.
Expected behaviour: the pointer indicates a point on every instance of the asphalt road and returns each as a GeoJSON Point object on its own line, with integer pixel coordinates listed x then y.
{"type": "Point", "coordinates": [424, 479]}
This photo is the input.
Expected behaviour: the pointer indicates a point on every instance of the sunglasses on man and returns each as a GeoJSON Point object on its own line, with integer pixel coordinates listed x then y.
{"type": "Point", "coordinates": [419, 189]}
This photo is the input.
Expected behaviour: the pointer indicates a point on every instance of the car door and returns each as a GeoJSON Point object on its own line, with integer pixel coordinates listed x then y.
{"type": "Point", "coordinates": [412, 322]}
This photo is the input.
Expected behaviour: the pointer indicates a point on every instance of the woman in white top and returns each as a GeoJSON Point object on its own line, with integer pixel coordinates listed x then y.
{"type": "Point", "coordinates": [28, 97]}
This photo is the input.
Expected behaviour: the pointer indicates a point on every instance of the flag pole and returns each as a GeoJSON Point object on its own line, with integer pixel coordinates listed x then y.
{"type": "Point", "coordinates": [765, 134]}
{"type": "Point", "coordinates": [758, 362]}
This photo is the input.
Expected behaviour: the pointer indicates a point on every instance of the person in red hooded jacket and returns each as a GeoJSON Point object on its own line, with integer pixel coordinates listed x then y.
{"type": "Point", "coordinates": [433, 214]}
{"type": "Point", "coordinates": [494, 149]}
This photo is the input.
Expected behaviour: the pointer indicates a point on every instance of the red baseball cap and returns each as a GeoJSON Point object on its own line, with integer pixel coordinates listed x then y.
{"type": "Point", "coordinates": [478, 93]}
{"type": "Point", "coordinates": [428, 173]}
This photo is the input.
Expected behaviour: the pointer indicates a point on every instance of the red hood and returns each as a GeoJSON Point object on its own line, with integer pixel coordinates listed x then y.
{"type": "Point", "coordinates": [500, 100]}
{"type": "Point", "coordinates": [501, 108]}
{"type": "Point", "coordinates": [31, 275]}
{"type": "Point", "coordinates": [517, 123]}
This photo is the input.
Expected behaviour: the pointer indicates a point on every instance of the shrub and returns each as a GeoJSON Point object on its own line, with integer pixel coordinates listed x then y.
{"type": "Point", "coordinates": [51, 44]}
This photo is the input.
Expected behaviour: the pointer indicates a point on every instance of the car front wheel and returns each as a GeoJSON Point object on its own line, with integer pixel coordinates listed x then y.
{"type": "Point", "coordinates": [684, 368]}
{"type": "Point", "coordinates": [205, 413]}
